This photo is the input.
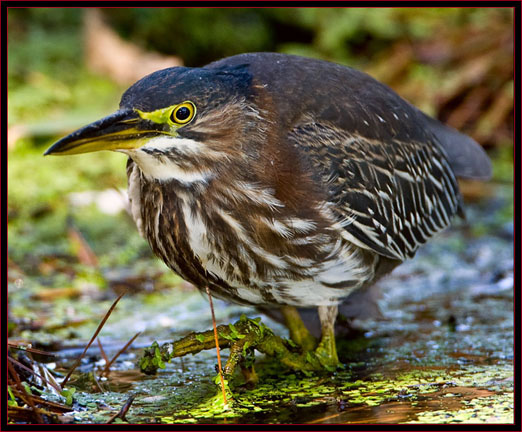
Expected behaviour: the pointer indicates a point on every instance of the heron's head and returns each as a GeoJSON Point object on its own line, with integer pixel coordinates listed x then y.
{"type": "Point", "coordinates": [177, 123]}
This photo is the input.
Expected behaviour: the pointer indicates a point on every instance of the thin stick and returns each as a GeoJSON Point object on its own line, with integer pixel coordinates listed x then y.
{"type": "Point", "coordinates": [102, 351]}
{"type": "Point", "coordinates": [97, 382]}
{"type": "Point", "coordinates": [79, 359]}
{"type": "Point", "coordinates": [22, 347]}
{"type": "Point", "coordinates": [108, 365]}
{"type": "Point", "coordinates": [217, 346]}
{"type": "Point", "coordinates": [123, 411]}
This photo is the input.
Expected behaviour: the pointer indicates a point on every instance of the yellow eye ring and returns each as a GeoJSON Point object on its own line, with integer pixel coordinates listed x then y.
{"type": "Point", "coordinates": [183, 113]}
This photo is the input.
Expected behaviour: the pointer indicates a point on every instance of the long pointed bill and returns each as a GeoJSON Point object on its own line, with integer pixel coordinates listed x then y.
{"type": "Point", "coordinates": [122, 130]}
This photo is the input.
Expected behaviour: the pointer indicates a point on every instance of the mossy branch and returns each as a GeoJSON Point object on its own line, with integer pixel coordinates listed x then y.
{"type": "Point", "coordinates": [242, 338]}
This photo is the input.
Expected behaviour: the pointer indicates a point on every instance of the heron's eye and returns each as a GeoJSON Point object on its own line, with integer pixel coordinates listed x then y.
{"type": "Point", "coordinates": [183, 113]}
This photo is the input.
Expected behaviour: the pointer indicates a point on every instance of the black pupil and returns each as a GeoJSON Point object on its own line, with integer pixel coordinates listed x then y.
{"type": "Point", "coordinates": [182, 113]}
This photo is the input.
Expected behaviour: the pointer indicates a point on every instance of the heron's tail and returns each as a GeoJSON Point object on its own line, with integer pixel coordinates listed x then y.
{"type": "Point", "coordinates": [467, 158]}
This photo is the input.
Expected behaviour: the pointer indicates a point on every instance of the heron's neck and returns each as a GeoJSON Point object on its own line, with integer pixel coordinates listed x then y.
{"type": "Point", "coordinates": [164, 169]}
{"type": "Point", "coordinates": [164, 165]}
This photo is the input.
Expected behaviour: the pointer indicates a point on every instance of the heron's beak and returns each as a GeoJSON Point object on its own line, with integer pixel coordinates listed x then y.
{"type": "Point", "coordinates": [122, 130]}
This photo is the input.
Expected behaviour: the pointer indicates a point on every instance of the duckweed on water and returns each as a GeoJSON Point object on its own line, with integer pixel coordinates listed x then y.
{"type": "Point", "coordinates": [172, 401]}
{"type": "Point", "coordinates": [490, 409]}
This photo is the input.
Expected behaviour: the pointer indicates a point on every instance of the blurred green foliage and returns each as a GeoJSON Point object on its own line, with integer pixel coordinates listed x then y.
{"type": "Point", "coordinates": [346, 35]}
{"type": "Point", "coordinates": [46, 41]}
{"type": "Point", "coordinates": [197, 35]}
{"type": "Point", "coordinates": [39, 213]}
{"type": "Point", "coordinates": [47, 77]}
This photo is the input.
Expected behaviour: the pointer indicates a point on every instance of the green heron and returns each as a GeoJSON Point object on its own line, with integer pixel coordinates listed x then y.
{"type": "Point", "coordinates": [282, 181]}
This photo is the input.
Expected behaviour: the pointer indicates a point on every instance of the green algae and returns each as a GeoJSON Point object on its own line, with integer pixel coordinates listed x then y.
{"type": "Point", "coordinates": [471, 394]}
{"type": "Point", "coordinates": [374, 390]}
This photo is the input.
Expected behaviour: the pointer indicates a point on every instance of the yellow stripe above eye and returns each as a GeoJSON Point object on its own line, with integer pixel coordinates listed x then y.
{"type": "Point", "coordinates": [164, 115]}
{"type": "Point", "coordinates": [160, 116]}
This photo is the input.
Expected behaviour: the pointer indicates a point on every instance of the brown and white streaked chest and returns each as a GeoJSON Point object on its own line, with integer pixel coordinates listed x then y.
{"type": "Point", "coordinates": [157, 217]}
{"type": "Point", "coordinates": [246, 245]}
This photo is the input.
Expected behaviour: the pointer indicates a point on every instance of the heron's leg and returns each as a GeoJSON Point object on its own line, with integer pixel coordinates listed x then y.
{"type": "Point", "coordinates": [298, 331]}
{"type": "Point", "coordinates": [326, 350]}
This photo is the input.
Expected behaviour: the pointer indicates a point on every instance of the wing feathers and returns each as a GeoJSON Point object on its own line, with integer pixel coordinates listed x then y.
{"type": "Point", "coordinates": [390, 195]}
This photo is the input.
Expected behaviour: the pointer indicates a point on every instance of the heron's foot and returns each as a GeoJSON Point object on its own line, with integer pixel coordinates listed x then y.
{"type": "Point", "coordinates": [242, 339]}
{"type": "Point", "coordinates": [326, 351]}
